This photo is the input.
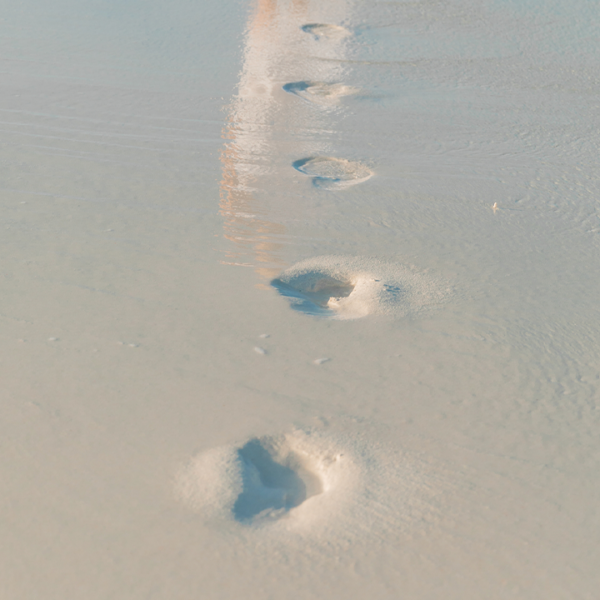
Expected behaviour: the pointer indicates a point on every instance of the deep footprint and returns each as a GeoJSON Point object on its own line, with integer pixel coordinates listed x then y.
{"type": "Point", "coordinates": [275, 480]}
{"type": "Point", "coordinates": [312, 489]}
{"type": "Point", "coordinates": [319, 91]}
{"type": "Point", "coordinates": [332, 173]}
{"type": "Point", "coordinates": [323, 30]}
{"type": "Point", "coordinates": [264, 479]}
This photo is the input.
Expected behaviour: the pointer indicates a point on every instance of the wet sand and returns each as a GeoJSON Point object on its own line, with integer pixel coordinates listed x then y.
{"type": "Point", "coordinates": [299, 299]}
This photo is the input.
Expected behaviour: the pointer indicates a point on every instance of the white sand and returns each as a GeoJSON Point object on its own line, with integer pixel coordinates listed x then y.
{"type": "Point", "coordinates": [171, 428]}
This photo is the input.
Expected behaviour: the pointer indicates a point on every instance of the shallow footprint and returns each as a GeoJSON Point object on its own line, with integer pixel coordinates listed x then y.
{"type": "Point", "coordinates": [338, 287]}
{"type": "Point", "coordinates": [324, 30]}
{"type": "Point", "coordinates": [332, 173]}
{"type": "Point", "coordinates": [319, 91]}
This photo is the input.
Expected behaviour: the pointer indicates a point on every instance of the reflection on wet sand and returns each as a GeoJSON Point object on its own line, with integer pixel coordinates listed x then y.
{"type": "Point", "coordinates": [268, 128]}
{"type": "Point", "coordinates": [251, 232]}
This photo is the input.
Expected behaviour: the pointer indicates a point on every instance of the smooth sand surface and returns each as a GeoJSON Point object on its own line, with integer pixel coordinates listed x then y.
{"type": "Point", "coordinates": [224, 377]}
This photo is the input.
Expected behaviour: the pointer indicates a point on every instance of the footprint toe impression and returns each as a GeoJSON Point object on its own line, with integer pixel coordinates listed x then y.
{"type": "Point", "coordinates": [339, 287]}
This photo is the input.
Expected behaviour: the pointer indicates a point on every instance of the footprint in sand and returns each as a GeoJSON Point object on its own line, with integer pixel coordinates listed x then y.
{"type": "Point", "coordinates": [319, 92]}
{"type": "Point", "coordinates": [325, 31]}
{"type": "Point", "coordinates": [332, 173]}
{"type": "Point", "coordinates": [314, 292]}
{"type": "Point", "coordinates": [325, 482]}
{"type": "Point", "coordinates": [275, 479]}
{"type": "Point", "coordinates": [262, 480]}
{"type": "Point", "coordinates": [337, 287]}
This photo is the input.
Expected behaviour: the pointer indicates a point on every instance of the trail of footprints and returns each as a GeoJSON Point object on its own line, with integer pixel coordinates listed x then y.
{"type": "Point", "coordinates": [271, 477]}
{"type": "Point", "coordinates": [341, 287]}
{"type": "Point", "coordinates": [327, 172]}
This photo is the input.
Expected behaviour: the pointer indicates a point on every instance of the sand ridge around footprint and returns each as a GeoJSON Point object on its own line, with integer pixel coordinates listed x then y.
{"type": "Point", "coordinates": [326, 31]}
{"type": "Point", "coordinates": [264, 479]}
{"type": "Point", "coordinates": [320, 92]}
{"type": "Point", "coordinates": [322, 484]}
{"type": "Point", "coordinates": [339, 287]}
{"type": "Point", "coordinates": [332, 173]}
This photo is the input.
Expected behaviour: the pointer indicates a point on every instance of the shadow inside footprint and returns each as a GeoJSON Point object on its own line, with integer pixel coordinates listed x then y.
{"type": "Point", "coordinates": [324, 30]}
{"type": "Point", "coordinates": [312, 293]}
{"type": "Point", "coordinates": [297, 87]}
{"type": "Point", "coordinates": [271, 488]}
